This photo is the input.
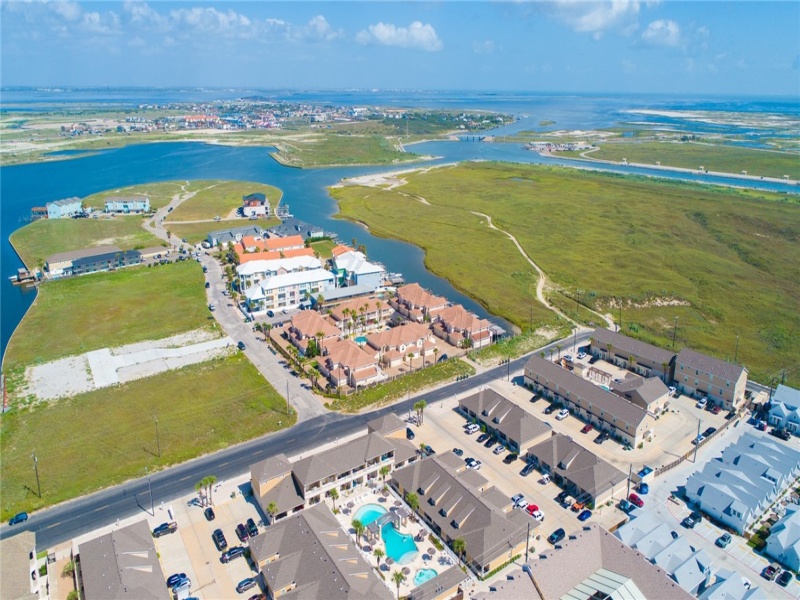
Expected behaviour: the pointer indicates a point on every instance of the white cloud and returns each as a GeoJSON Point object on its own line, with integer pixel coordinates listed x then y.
{"type": "Point", "coordinates": [596, 17]}
{"type": "Point", "coordinates": [317, 29]}
{"type": "Point", "coordinates": [141, 13]}
{"type": "Point", "coordinates": [68, 10]}
{"type": "Point", "coordinates": [94, 22]}
{"type": "Point", "coordinates": [663, 33]}
{"type": "Point", "coordinates": [418, 35]}
{"type": "Point", "coordinates": [136, 42]}
{"type": "Point", "coordinates": [211, 21]}
{"type": "Point", "coordinates": [485, 47]}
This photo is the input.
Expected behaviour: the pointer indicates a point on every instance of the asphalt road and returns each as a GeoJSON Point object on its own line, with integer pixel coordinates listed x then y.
{"type": "Point", "coordinates": [76, 517]}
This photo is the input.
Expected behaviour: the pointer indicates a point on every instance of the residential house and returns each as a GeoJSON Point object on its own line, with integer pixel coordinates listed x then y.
{"type": "Point", "coordinates": [251, 248]}
{"type": "Point", "coordinates": [636, 356]}
{"type": "Point", "coordinates": [127, 205]}
{"type": "Point", "coordinates": [460, 504]}
{"type": "Point", "coordinates": [417, 303]}
{"type": "Point", "coordinates": [287, 291]}
{"type": "Point", "coordinates": [446, 585]}
{"type": "Point", "coordinates": [459, 327]}
{"type": "Point", "coordinates": [512, 425]}
{"type": "Point", "coordinates": [361, 314]}
{"type": "Point", "coordinates": [408, 341]}
{"type": "Point", "coordinates": [17, 563]}
{"type": "Point", "coordinates": [590, 563]}
{"type": "Point", "coordinates": [353, 268]}
{"type": "Point", "coordinates": [38, 212]}
{"type": "Point", "coordinates": [340, 249]}
{"type": "Point", "coordinates": [389, 426]}
{"type": "Point", "coordinates": [60, 264]}
{"type": "Point", "coordinates": [740, 485]}
{"type": "Point", "coordinates": [232, 235]}
{"type": "Point", "coordinates": [606, 411]}
{"type": "Point", "coordinates": [784, 413]}
{"type": "Point", "coordinates": [701, 375]}
{"type": "Point", "coordinates": [310, 325]}
{"type": "Point", "coordinates": [650, 394]}
{"type": "Point", "coordinates": [345, 363]}
{"type": "Point", "coordinates": [292, 226]}
{"type": "Point", "coordinates": [294, 486]}
{"type": "Point", "coordinates": [90, 260]}
{"type": "Point", "coordinates": [688, 567]}
{"type": "Point", "coordinates": [730, 585]}
{"type": "Point", "coordinates": [577, 470]}
{"type": "Point", "coordinates": [121, 564]}
{"type": "Point", "coordinates": [255, 205]}
{"type": "Point", "coordinates": [251, 273]}
{"type": "Point", "coordinates": [246, 257]}
{"type": "Point", "coordinates": [309, 556]}
{"type": "Point", "coordinates": [61, 209]}
{"type": "Point", "coordinates": [783, 543]}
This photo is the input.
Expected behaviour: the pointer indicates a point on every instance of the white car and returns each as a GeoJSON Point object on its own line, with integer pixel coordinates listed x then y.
{"type": "Point", "coordinates": [702, 402]}
{"type": "Point", "coordinates": [520, 502]}
{"type": "Point", "coordinates": [474, 427]}
{"type": "Point", "coordinates": [499, 449]}
{"type": "Point", "coordinates": [672, 391]}
{"type": "Point", "coordinates": [474, 464]}
{"type": "Point", "coordinates": [568, 357]}
{"type": "Point", "coordinates": [581, 355]}
{"type": "Point", "coordinates": [538, 515]}
{"type": "Point", "coordinates": [562, 414]}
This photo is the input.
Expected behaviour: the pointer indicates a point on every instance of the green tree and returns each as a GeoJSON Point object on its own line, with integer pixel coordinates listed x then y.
{"type": "Point", "coordinates": [200, 486]}
{"type": "Point", "coordinates": [359, 528]}
{"type": "Point", "coordinates": [272, 510]}
{"type": "Point", "coordinates": [420, 408]}
{"type": "Point", "coordinates": [379, 554]}
{"type": "Point", "coordinates": [73, 595]}
{"type": "Point", "coordinates": [69, 569]}
{"type": "Point", "coordinates": [560, 347]}
{"type": "Point", "coordinates": [384, 472]}
{"type": "Point", "coordinates": [398, 578]}
{"type": "Point", "coordinates": [459, 547]}
{"type": "Point", "coordinates": [334, 494]}
{"type": "Point", "coordinates": [208, 484]}
{"type": "Point", "coordinates": [412, 500]}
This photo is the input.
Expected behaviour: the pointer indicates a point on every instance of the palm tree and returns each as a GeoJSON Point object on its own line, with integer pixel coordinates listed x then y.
{"type": "Point", "coordinates": [664, 366]}
{"type": "Point", "coordinates": [632, 363]}
{"type": "Point", "coordinates": [320, 336]}
{"type": "Point", "coordinates": [611, 353]}
{"type": "Point", "coordinates": [379, 554]}
{"type": "Point", "coordinates": [422, 447]}
{"type": "Point", "coordinates": [435, 353]}
{"type": "Point", "coordinates": [559, 351]}
{"type": "Point", "coordinates": [412, 500]}
{"type": "Point", "coordinates": [210, 481]}
{"type": "Point", "coordinates": [272, 510]}
{"type": "Point", "coordinates": [334, 494]}
{"type": "Point", "coordinates": [197, 487]}
{"type": "Point", "coordinates": [459, 547]}
{"type": "Point", "coordinates": [541, 354]}
{"type": "Point", "coordinates": [384, 472]}
{"type": "Point", "coordinates": [420, 408]}
{"type": "Point", "coordinates": [551, 353]}
{"type": "Point", "coordinates": [378, 306]}
{"type": "Point", "coordinates": [398, 578]}
{"type": "Point", "coordinates": [359, 528]}
{"type": "Point", "coordinates": [410, 357]}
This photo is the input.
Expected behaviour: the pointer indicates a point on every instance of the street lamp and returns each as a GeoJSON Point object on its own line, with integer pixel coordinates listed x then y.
{"type": "Point", "coordinates": [36, 468]}
{"type": "Point", "coordinates": [150, 489]}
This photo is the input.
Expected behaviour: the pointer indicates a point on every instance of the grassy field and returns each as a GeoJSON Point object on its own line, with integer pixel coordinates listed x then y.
{"type": "Point", "coordinates": [515, 346]}
{"type": "Point", "coordinates": [688, 155]}
{"type": "Point", "coordinates": [197, 232]}
{"type": "Point", "coordinates": [39, 239]}
{"type": "Point", "coordinates": [219, 198]}
{"type": "Point", "coordinates": [402, 386]}
{"type": "Point", "coordinates": [324, 248]}
{"type": "Point", "coordinates": [105, 437]}
{"type": "Point", "coordinates": [79, 314]}
{"type": "Point", "coordinates": [160, 193]}
{"type": "Point", "coordinates": [725, 262]}
{"type": "Point", "coordinates": [341, 149]}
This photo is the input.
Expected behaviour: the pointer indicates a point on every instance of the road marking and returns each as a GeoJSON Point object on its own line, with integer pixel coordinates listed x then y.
{"type": "Point", "coordinates": [101, 507]}
{"type": "Point", "coordinates": [53, 525]}
{"type": "Point", "coordinates": [185, 478]}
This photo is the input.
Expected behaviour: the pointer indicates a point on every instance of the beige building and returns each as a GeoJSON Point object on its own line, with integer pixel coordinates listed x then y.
{"type": "Point", "coordinates": [628, 353]}
{"type": "Point", "coordinates": [701, 375]}
{"type": "Point", "coordinates": [416, 303]}
{"type": "Point", "coordinates": [361, 314]}
{"type": "Point", "coordinates": [394, 345]}
{"type": "Point", "coordinates": [17, 563]}
{"type": "Point", "coordinates": [458, 327]}
{"type": "Point", "coordinates": [344, 363]}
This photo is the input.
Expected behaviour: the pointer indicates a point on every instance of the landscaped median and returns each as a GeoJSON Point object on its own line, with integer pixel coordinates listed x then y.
{"type": "Point", "coordinates": [105, 437]}
{"type": "Point", "coordinates": [402, 386]}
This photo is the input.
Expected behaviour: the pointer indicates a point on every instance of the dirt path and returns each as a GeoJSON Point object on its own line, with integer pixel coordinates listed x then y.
{"type": "Point", "coordinates": [542, 278]}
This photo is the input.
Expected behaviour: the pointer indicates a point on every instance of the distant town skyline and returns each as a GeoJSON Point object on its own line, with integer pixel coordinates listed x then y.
{"type": "Point", "coordinates": [620, 46]}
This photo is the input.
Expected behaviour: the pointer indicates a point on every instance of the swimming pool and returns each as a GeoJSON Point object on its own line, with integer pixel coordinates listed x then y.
{"type": "Point", "coordinates": [361, 340]}
{"type": "Point", "coordinates": [399, 546]}
{"type": "Point", "coordinates": [424, 575]}
{"type": "Point", "coordinates": [369, 513]}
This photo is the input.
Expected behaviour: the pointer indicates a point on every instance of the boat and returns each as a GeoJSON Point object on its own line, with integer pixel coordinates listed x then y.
{"type": "Point", "coordinates": [395, 278]}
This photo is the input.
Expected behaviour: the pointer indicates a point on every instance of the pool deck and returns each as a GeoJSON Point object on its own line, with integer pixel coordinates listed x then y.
{"type": "Point", "coordinates": [348, 505]}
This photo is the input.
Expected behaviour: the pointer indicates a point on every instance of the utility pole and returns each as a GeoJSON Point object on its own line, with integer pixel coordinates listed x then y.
{"type": "Point", "coordinates": [736, 353]}
{"type": "Point", "coordinates": [630, 474]}
{"type": "Point", "coordinates": [150, 489]}
{"type": "Point", "coordinates": [575, 339]}
{"type": "Point", "coordinates": [620, 316]}
{"type": "Point", "coordinates": [697, 441]}
{"type": "Point", "coordinates": [674, 331]}
{"type": "Point", "coordinates": [528, 541]}
{"type": "Point", "coordinates": [508, 365]}
{"type": "Point", "coordinates": [530, 322]}
{"type": "Point", "coordinates": [36, 468]}
{"type": "Point", "coordinates": [287, 395]}
{"type": "Point", "coordinates": [158, 438]}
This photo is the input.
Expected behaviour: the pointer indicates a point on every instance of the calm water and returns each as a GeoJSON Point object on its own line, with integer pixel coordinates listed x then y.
{"type": "Point", "coordinates": [24, 186]}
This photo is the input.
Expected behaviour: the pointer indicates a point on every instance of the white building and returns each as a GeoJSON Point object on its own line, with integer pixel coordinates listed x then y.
{"type": "Point", "coordinates": [288, 290]}
{"type": "Point", "coordinates": [783, 543]}
{"type": "Point", "coordinates": [253, 272]}
{"type": "Point", "coordinates": [785, 411]}
{"type": "Point", "coordinates": [127, 205]}
{"type": "Point", "coordinates": [64, 208]}
{"type": "Point", "coordinates": [353, 268]}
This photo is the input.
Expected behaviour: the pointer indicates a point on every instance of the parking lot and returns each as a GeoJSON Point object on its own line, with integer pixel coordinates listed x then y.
{"type": "Point", "coordinates": [191, 549]}
{"type": "Point", "coordinates": [443, 430]}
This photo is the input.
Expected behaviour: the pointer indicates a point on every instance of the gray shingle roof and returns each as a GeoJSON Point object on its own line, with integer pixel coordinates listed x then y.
{"type": "Point", "coordinates": [83, 253]}
{"type": "Point", "coordinates": [274, 466]}
{"type": "Point", "coordinates": [708, 364]}
{"type": "Point", "coordinates": [122, 564]}
{"type": "Point", "coordinates": [433, 588]}
{"type": "Point", "coordinates": [505, 416]}
{"type": "Point", "coordinates": [627, 345]}
{"type": "Point", "coordinates": [15, 575]}
{"type": "Point", "coordinates": [342, 458]}
{"type": "Point", "coordinates": [285, 494]}
{"type": "Point", "coordinates": [314, 554]}
{"type": "Point", "coordinates": [385, 425]}
{"type": "Point", "coordinates": [646, 390]}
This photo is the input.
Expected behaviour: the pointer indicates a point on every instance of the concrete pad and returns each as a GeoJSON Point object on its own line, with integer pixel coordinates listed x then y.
{"type": "Point", "coordinates": [60, 378]}
{"type": "Point", "coordinates": [104, 367]}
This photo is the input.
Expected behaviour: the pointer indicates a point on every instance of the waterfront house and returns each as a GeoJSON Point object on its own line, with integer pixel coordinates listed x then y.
{"type": "Point", "coordinates": [252, 272]}
{"type": "Point", "coordinates": [62, 209]}
{"type": "Point", "coordinates": [232, 235]}
{"type": "Point", "coordinates": [353, 269]}
{"type": "Point", "coordinates": [255, 205]}
{"type": "Point", "coordinates": [459, 327]}
{"type": "Point", "coordinates": [292, 226]}
{"type": "Point", "coordinates": [701, 375]}
{"type": "Point", "coordinates": [90, 260]}
{"type": "Point", "coordinates": [416, 303]}
{"type": "Point", "coordinates": [127, 205]}
{"type": "Point", "coordinates": [287, 291]}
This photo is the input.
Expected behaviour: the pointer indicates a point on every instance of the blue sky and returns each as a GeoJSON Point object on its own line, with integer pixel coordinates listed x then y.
{"type": "Point", "coordinates": [742, 48]}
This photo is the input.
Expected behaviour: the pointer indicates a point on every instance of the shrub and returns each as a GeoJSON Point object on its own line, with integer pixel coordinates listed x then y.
{"type": "Point", "coordinates": [69, 569]}
{"type": "Point", "coordinates": [436, 543]}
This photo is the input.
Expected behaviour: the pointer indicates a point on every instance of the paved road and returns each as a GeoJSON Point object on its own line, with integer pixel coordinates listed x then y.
{"type": "Point", "coordinates": [74, 518]}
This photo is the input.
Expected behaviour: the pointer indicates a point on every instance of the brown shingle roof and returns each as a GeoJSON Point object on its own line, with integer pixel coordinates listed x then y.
{"type": "Point", "coordinates": [628, 345]}
{"type": "Point", "coordinates": [708, 364]}
{"type": "Point", "coordinates": [515, 423]}
{"type": "Point", "coordinates": [271, 467]}
{"type": "Point", "coordinates": [15, 575]}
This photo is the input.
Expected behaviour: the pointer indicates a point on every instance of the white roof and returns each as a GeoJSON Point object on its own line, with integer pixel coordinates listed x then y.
{"type": "Point", "coordinates": [295, 278]}
{"type": "Point", "coordinates": [273, 266]}
{"type": "Point", "coordinates": [356, 262]}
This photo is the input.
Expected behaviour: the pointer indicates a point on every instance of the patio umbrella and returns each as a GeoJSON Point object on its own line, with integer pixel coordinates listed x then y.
{"type": "Point", "coordinates": [351, 504]}
{"type": "Point", "coordinates": [397, 503]}
{"type": "Point", "coordinates": [390, 561]}
{"type": "Point", "coordinates": [406, 571]}
{"type": "Point", "coordinates": [431, 551]}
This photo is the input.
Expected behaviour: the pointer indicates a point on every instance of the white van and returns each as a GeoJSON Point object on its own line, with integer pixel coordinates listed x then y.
{"type": "Point", "coordinates": [473, 428]}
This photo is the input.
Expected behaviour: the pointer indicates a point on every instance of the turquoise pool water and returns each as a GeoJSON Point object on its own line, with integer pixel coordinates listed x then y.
{"type": "Point", "coordinates": [361, 340]}
{"type": "Point", "coordinates": [424, 575]}
{"type": "Point", "coordinates": [369, 513]}
{"type": "Point", "coordinates": [606, 388]}
{"type": "Point", "coordinates": [399, 546]}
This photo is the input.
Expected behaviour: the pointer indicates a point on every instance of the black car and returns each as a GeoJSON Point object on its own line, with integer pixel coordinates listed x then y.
{"type": "Point", "coordinates": [689, 523]}
{"type": "Point", "coordinates": [409, 434]}
{"type": "Point", "coordinates": [240, 345]}
{"type": "Point", "coordinates": [781, 434]}
{"type": "Point", "coordinates": [208, 285]}
{"type": "Point", "coordinates": [510, 458]}
{"type": "Point", "coordinates": [234, 552]}
{"type": "Point", "coordinates": [784, 578]}
{"type": "Point", "coordinates": [601, 438]}
{"type": "Point", "coordinates": [209, 513]}
{"type": "Point", "coordinates": [490, 442]}
{"type": "Point", "coordinates": [483, 437]}
{"type": "Point", "coordinates": [219, 539]}
{"type": "Point", "coordinates": [175, 579]}
{"type": "Point", "coordinates": [165, 529]}
{"type": "Point", "coordinates": [561, 496]}
{"type": "Point", "coordinates": [550, 409]}
{"type": "Point", "coordinates": [458, 452]}
{"type": "Point", "coordinates": [696, 516]}
{"type": "Point", "coordinates": [558, 535]}
{"type": "Point", "coordinates": [428, 450]}
{"type": "Point", "coordinates": [675, 535]}
{"type": "Point", "coordinates": [527, 470]}
{"type": "Point", "coordinates": [242, 533]}
{"type": "Point", "coordinates": [251, 527]}
{"type": "Point", "coordinates": [709, 431]}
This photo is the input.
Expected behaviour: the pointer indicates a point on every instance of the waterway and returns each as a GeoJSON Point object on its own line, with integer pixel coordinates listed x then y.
{"type": "Point", "coordinates": [25, 186]}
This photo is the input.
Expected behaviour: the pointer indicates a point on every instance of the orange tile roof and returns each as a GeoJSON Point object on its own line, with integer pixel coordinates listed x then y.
{"type": "Point", "coordinates": [417, 296]}
{"type": "Point", "coordinates": [355, 304]}
{"type": "Point", "coordinates": [458, 318]}
{"type": "Point", "coordinates": [340, 249]}
{"type": "Point", "coordinates": [288, 243]}
{"type": "Point", "coordinates": [245, 257]}
{"type": "Point", "coordinates": [347, 354]}
{"type": "Point", "coordinates": [309, 322]}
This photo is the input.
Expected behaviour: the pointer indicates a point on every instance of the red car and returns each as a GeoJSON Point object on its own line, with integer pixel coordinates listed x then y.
{"type": "Point", "coordinates": [532, 508]}
{"type": "Point", "coordinates": [587, 428]}
{"type": "Point", "coordinates": [635, 500]}
{"type": "Point", "coordinates": [716, 410]}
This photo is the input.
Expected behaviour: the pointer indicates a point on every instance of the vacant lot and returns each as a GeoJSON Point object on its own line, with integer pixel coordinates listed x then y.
{"type": "Point", "coordinates": [79, 314]}
{"type": "Point", "coordinates": [341, 149]}
{"type": "Point", "coordinates": [725, 262]}
{"type": "Point", "coordinates": [160, 194]}
{"type": "Point", "coordinates": [219, 198]}
{"type": "Point", "coordinates": [105, 437]}
{"type": "Point", "coordinates": [40, 239]}
{"type": "Point", "coordinates": [324, 248]}
{"type": "Point", "coordinates": [690, 155]}
{"type": "Point", "coordinates": [198, 232]}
